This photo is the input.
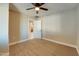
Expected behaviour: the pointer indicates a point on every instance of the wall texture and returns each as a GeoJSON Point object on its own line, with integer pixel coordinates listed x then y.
{"type": "Point", "coordinates": [18, 26]}
{"type": "Point", "coordinates": [61, 27]}
{"type": "Point", "coordinates": [3, 28]}
{"type": "Point", "coordinates": [14, 26]}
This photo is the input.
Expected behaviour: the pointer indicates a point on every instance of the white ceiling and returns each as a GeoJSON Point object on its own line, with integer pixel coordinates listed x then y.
{"type": "Point", "coordinates": [52, 8]}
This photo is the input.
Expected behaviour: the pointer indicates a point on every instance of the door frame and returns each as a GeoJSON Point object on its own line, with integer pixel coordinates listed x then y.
{"type": "Point", "coordinates": [29, 30]}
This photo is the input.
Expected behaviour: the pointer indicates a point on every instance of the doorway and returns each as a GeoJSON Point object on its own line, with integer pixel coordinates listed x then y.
{"type": "Point", "coordinates": [35, 29]}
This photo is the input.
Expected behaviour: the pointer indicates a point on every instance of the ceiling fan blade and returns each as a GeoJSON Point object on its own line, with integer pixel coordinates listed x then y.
{"type": "Point", "coordinates": [30, 8]}
{"type": "Point", "coordinates": [37, 4]}
{"type": "Point", "coordinates": [44, 8]}
{"type": "Point", "coordinates": [42, 4]}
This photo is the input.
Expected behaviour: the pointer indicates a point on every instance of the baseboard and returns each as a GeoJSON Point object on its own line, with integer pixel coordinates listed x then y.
{"type": "Point", "coordinates": [13, 43]}
{"type": "Point", "coordinates": [77, 50]}
{"type": "Point", "coordinates": [74, 46]}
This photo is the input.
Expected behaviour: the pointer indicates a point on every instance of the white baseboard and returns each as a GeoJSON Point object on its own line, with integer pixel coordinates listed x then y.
{"type": "Point", "coordinates": [70, 45]}
{"type": "Point", "coordinates": [77, 50]}
{"type": "Point", "coordinates": [13, 43]}
{"type": "Point", "coordinates": [74, 46]}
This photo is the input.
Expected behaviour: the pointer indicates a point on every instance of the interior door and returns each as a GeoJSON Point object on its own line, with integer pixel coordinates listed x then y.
{"type": "Point", "coordinates": [37, 29]}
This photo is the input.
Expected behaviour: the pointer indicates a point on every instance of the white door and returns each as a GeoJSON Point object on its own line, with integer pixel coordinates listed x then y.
{"type": "Point", "coordinates": [31, 29]}
{"type": "Point", "coordinates": [37, 29]}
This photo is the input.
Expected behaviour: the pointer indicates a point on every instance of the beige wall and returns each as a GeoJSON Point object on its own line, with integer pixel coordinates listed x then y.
{"type": "Point", "coordinates": [61, 27]}
{"type": "Point", "coordinates": [18, 26]}
{"type": "Point", "coordinates": [14, 26]}
{"type": "Point", "coordinates": [78, 27]}
{"type": "Point", "coordinates": [4, 27]}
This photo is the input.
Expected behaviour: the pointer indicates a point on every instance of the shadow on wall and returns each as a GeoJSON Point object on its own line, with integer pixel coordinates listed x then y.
{"type": "Point", "coordinates": [14, 26]}
{"type": "Point", "coordinates": [12, 7]}
{"type": "Point", "coordinates": [18, 28]}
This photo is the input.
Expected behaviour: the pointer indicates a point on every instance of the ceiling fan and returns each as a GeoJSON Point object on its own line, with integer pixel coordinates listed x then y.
{"type": "Point", "coordinates": [37, 7]}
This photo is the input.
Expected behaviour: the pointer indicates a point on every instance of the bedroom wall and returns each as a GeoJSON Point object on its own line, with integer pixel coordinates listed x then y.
{"type": "Point", "coordinates": [4, 28]}
{"type": "Point", "coordinates": [18, 26]}
{"type": "Point", "coordinates": [14, 26]}
{"type": "Point", "coordinates": [61, 27]}
{"type": "Point", "coordinates": [78, 28]}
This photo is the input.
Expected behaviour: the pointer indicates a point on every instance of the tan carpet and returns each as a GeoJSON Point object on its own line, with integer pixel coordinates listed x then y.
{"type": "Point", "coordinates": [37, 47]}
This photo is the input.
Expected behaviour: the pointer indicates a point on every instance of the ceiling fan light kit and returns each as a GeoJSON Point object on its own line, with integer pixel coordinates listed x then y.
{"type": "Point", "coordinates": [37, 7]}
